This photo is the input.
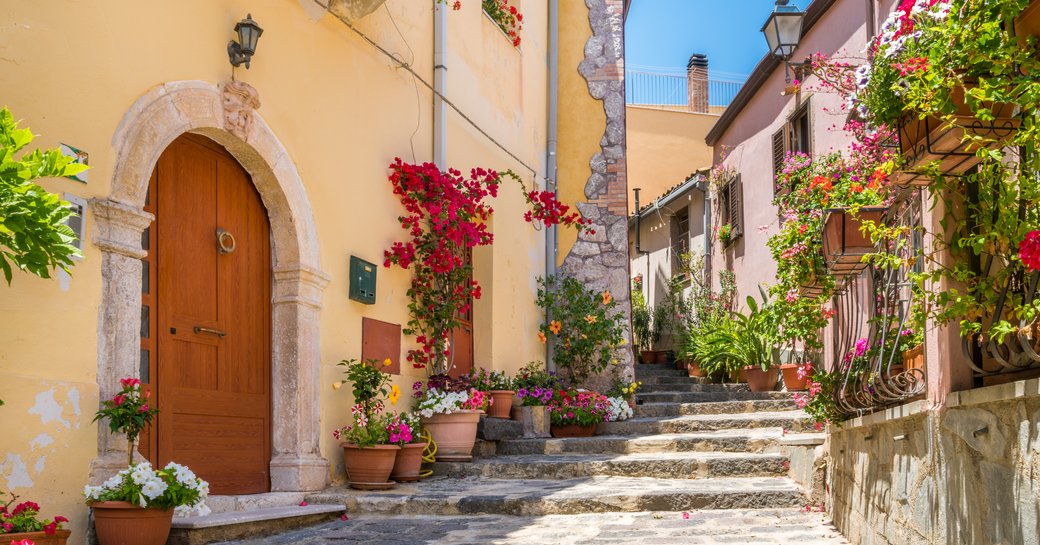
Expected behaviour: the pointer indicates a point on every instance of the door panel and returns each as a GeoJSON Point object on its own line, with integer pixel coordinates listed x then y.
{"type": "Point", "coordinates": [213, 367]}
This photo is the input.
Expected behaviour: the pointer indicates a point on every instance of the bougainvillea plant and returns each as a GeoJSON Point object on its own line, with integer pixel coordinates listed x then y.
{"type": "Point", "coordinates": [446, 218]}
{"type": "Point", "coordinates": [508, 18]}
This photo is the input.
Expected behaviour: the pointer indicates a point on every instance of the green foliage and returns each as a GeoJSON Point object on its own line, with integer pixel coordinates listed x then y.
{"type": "Point", "coordinates": [367, 381]}
{"type": "Point", "coordinates": [128, 412]}
{"type": "Point", "coordinates": [486, 381]}
{"type": "Point", "coordinates": [33, 234]}
{"type": "Point", "coordinates": [585, 329]}
{"type": "Point", "coordinates": [141, 485]}
{"type": "Point", "coordinates": [642, 321]}
{"type": "Point", "coordinates": [534, 375]}
{"type": "Point", "coordinates": [745, 340]}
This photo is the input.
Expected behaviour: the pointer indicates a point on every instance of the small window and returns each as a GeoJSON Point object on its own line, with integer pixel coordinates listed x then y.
{"type": "Point", "coordinates": [732, 205]}
{"type": "Point", "coordinates": [75, 222]}
{"type": "Point", "coordinates": [680, 239]}
{"type": "Point", "coordinates": [801, 130]}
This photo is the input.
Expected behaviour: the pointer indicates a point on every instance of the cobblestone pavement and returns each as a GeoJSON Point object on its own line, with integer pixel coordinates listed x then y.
{"type": "Point", "coordinates": [746, 527]}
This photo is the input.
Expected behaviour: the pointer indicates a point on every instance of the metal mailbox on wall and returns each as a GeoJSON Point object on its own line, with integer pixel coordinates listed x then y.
{"type": "Point", "coordinates": [362, 281]}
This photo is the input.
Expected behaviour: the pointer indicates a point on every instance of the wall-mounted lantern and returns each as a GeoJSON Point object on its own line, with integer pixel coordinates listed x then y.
{"type": "Point", "coordinates": [783, 30]}
{"type": "Point", "coordinates": [248, 34]}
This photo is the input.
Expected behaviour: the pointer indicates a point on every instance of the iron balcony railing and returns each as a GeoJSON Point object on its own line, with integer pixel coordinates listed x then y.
{"type": "Point", "coordinates": [873, 312]}
{"type": "Point", "coordinates": [672, 90]}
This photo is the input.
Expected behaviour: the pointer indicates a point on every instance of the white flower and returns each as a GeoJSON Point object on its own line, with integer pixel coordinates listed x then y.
{"type": "Point", "coordinates": [153, 488]}
{"type": "Point", "coordinates": [92, 493]}
{"type": "Point", "coordinates": [619, 410]}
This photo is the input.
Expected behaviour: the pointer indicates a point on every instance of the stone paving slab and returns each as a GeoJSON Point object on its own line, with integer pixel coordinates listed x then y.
{"type": "Point", "coordinates": [796, 420]}
{"type": "Point", "coordinates": [447, 496]}
{"type": "Point", "coordinates": [720, 407]}
{"type": "Point", "coordinates": [664, 465]}
{"type": "Point", "coordinates": [760, 527]}
{"type": "Point", "coordinates": [727, 440]}
{"type": "Point", "coordinates": [708, 397]}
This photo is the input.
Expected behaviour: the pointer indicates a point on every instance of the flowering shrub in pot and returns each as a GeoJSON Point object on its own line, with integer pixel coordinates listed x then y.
{"type": "Point", "coordinates": [450, 411]}
{"type": "Point", "coordinates": [625, 390]}
{"type": "Point", "coordinates": [534, 391]}
{"type": "Point", "coordinates": [506, 16]}
{"type": "Point", "coordinates": [576, 413]}
{"type": "Point", "coordinates": [21, 522]}
{"type": "Point", "coordinates": [499, 387]}
{"type": "Point", "coordinates": [405, 431]}
{"type": "Point", "coordinates": [585, 329]}
{"type": "Point", "coordinates": [368, 452]}
{"type": "Point", "coordinates": [136, 506]}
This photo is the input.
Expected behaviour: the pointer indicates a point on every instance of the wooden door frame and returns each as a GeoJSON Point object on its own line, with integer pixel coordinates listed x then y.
{"type": "Point", "coordinates": [225, 114]}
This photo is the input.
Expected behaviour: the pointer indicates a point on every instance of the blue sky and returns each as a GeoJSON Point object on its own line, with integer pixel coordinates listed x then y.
{"type": "Point", "coordinates": [663, 33]}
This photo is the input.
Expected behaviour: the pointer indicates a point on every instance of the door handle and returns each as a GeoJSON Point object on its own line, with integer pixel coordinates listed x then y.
{"type": "Point", "coordinates": [217, 332]}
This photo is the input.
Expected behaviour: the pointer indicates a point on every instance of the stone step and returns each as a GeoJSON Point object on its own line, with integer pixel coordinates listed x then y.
{"type": "Point", "coordinates": [253, 522]}
{"type": "Point", "coordinates": [687, 385]}
{"type": "Point", "coordinates": [732, 440]}
{"type": "Point", "coordinates": [720, 407]}
{"type": "Point", "coordinates": [708, 397]}
{"type": "Point", "coordinates": [746, 527]}
{"type": "Point", "coordinates": [446, 496]}
{"type": "Point", "coordinates": [673, 465]}
{"type": "Point", "coordinates": [790, 420]}
{"type": "Point", "coordinates": [658, 369]}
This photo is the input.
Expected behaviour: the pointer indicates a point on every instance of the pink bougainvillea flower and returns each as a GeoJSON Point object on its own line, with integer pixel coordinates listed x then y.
{"type": "Point", "coordinates": [1029, 250]}
{"type": "Point", "coordinates": [344, 517]}
{"type": "Point", "coordinates": [685, 515]}
{"type": "Point", "coordinates": [304, 503]}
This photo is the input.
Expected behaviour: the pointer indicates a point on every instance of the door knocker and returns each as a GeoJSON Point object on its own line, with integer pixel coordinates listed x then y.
{"type": "Point", "coordinates": [226, 241]}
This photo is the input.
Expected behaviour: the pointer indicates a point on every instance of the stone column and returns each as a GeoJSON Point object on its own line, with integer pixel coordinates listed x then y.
{"type": "Point", "coordinates": [296, 462]}
{"type": "Point", "coordinates": [117, 233]}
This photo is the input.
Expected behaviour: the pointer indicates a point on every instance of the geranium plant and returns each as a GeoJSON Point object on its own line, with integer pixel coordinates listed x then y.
{"type": "Point", "coordinates": [24, 517]}
{"type": "Point", "coordinates": [174, 486]}
{"type": "Point", "coordinates": [578, 407]}
{"type": "Point", "coordinates": [404, 428]}
{"type": "Point", "coordinates": [508, 18]}
{"type": "Point", "coordinates": [128, 412]}
{"type": "Point", "coordinates": [369, 426]}
{"type": "Point", "coordinates": [585, 327]}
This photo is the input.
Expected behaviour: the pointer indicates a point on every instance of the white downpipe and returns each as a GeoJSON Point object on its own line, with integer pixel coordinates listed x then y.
{"type": "Point", "coordinates": [550, 147]}
{"type": "Point", "coordinates": [440, 76]}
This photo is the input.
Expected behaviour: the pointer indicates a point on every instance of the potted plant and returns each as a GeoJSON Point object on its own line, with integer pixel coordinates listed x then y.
{"type": "Point", "coordinates": [450, 411]}
{"type": "Point", "coordinates": [21, 522]}
{"type": "Point", "coordinates": [136, 506]}
{"type": "Point", "coordinates": [534, 390]}
{"type": "Point", "coordinates": [744, 345]}
{"type": "Point", "coordinates": [796, 375]}
{"type": "Point", "coordinates": [404, 431]}
{"type": "Point", "coordinates": [725, 234]}
{"type": "Point", "coordinates": [625, 390]}
{"type": "Point", "coordinates": [368, 453]}
{"type": "Point", "coordinates": [576, 413]}
{"type": "Point", "coordinates": [499, 387]}
{"type": "Point", "coordinates": [585, 328]}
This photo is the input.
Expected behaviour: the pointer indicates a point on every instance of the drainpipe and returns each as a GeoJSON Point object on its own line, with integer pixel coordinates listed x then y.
{"type": "Point", "coordinates": [703, 187]}
{"type": "Point", "coordinates": [639, 247]}
{"type": "Point", "coordinates": [550, 150]}
{"type": "Point", "coordinates": [440, 73]}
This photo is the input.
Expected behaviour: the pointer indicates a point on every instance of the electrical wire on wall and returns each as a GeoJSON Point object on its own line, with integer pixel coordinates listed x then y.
{"type": "Point", "coordinates": [419, 79]}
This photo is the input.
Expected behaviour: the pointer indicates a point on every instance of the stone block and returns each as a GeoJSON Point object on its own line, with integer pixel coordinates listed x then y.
{"type": "Point", "coordinates": [980, 429]}
{"type": "Point", "coordinates": [497, 429]}
{"type": "Point", "coordinates": [534, 421]}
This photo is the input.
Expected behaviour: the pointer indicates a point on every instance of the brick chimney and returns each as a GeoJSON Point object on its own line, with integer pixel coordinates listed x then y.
{"type": "Point", "coordinates": [697, 82]}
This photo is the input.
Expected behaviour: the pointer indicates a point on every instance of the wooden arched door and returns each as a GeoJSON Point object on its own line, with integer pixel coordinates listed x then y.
{"type": "Point", "coordinates": [206, 321]}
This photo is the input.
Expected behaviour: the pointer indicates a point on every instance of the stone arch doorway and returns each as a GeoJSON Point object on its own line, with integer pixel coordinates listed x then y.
{"type": "Point", "coordinates": [226, 115]}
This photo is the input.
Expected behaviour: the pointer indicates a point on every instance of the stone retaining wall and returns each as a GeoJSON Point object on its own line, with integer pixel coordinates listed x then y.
{"type": "Point", "coordinates": [965, 474]}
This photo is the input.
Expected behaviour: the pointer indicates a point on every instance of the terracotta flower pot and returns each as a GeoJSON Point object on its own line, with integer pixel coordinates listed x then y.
{"type": "Point", "coordinates": [502, 403]}
{"type": "Point", "coordinates": [454, 435]}
{"type": "Point", "coordinates": [694, 370]}
{"type": "Point", "coordinates": [680, 364]}
{"type": "Point", "coordinates": [408, 463]}
{"type": "Point", "coordinates": [123, 523]}
{"type": "Point", "coordinates": [844, 243]}
{"type": "Point", "coordinates": [573, 430]}
{"type": "Point", "coordinates": [739, 377]}
{"type": "Point", "coordinates": [759, 380]}
{"type": "Point", "coordinates": [59, 537]}
{"type": "Point", "coordinates": [914, 358]}
{"type": "Point", "coordinates": [791, 380]}
{"type": "Point", "coordinates": [660, 356]}
{"type": "Point", "coordinates": [534, 420]}
{"type": "Point", "coordinates": [368, 468]}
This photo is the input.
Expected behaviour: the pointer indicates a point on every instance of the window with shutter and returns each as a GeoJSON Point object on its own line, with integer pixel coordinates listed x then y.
{"type": "Point", "coordinates": [736, 218]}
{"type": "Point", "coordinates": [779, 149]}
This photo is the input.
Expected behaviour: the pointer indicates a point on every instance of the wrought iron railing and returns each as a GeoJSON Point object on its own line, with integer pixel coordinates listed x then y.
{"type": "Point", "coordinates": [873, 312]}
{"type": "Point", "coordinates": [673, 90]}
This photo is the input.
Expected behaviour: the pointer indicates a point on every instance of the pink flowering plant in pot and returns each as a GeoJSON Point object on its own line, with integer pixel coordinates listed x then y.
{"type": "Point", "coordinates": [369, 452]}
{"type": "Point", "coordinates": [577, 411]}
{"type": "Point", "coordinates": [128, 412]}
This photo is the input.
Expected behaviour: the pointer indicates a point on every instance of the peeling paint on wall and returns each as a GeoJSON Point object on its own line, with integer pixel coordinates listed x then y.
{"type": "Point", "coordinates": [40, 441]}
{"type": "Point", "coordinates": [48, 409]}
{"type": "Point", "coordinates": [14, 471]}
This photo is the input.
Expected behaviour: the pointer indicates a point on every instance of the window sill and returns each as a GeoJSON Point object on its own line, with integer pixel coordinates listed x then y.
{"type": "Point", "coordinates": [501, 31]}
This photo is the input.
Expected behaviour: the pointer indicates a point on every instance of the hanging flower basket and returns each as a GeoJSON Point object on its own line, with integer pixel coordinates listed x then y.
{"type": "Point", "coordinates": [925, 140]}
{"type": "Point", "coordinates": [1028, 22]}
{"type": "Point", "coordinates": [844, 244]}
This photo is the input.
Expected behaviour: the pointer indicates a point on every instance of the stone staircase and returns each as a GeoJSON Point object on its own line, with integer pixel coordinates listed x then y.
{"type": "Point", "coordinates": [696, 455]}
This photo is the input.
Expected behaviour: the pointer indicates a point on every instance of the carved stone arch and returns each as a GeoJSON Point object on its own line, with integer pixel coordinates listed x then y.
{"type": "Point", "coordinates": [227, 115]}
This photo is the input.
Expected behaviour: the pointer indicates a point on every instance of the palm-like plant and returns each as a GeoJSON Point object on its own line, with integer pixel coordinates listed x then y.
{"type": "Point", "coordinates": [745, 340]}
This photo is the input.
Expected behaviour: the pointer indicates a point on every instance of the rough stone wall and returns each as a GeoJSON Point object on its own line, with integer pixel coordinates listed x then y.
{"type": "Point", "coordinates": [967, 474]}
{"type": "Point", "coordinates": [601, 259]}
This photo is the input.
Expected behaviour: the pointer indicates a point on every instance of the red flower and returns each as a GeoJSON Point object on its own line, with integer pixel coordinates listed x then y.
{"type": "Point", "coordinates": [129, 382]}
{"type": "Point", "coordinates": [49, 529]}
{"type": "Point", "coordinates": [118, 399]}
{"type": "Point", "coordinates": [1029, 250]}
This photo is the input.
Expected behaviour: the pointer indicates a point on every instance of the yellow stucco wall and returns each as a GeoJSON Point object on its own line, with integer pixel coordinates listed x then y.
{"type": "Point", "coordinates": [343, 111]}
{"type": "Point", "coordinates": [581, 118]}
{"type": "Point", "coordinates": [664, 147]}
